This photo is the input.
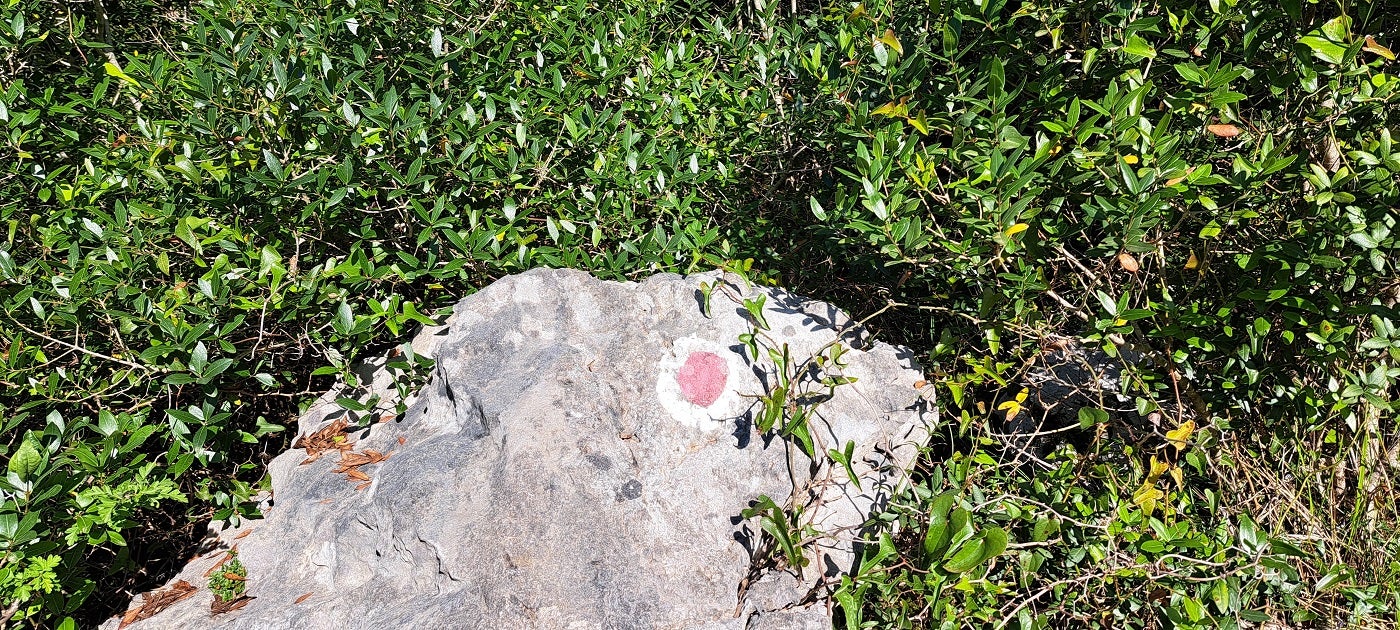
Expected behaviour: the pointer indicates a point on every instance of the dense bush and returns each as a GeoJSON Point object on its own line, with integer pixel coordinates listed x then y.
{"type": "Point", "coordinates": [212, 208]}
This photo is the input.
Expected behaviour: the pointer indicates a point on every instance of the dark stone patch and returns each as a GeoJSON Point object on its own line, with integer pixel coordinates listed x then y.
{"type": "Point", "coordinates": [630, 490]}
{"type": "Point", "coordinates": [600, 462]}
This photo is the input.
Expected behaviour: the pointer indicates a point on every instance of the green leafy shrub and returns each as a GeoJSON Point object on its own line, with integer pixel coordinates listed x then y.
{"type": "Point", "coordinates": [228, 582]}
{"type": "Point", "coordinates": [210, 209]}
{"type": "Point", "coordinates": [1213, 185]}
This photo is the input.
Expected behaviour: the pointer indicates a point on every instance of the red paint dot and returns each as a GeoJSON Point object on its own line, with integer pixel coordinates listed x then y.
{"type": "Point", "coordinates": [702, 378]}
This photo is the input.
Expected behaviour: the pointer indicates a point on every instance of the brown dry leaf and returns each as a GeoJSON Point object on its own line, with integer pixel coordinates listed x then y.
{"type": "Point", "coordinates": [363, 486]}
{"type": "Point", "coordinates": [386, 418]}
{"type": "Point", "coordinates": [156, 601]}
{"type": "Point", "coordinates": [1374, 47]}
{"type": "Point", "coordinates": [243, 534]}
{"type": "Point", "coordinates": [351, 460]}
{"type": "Point", "coordinates": [234, 576]}
{"type": "Point", "coordinates": [219, 606]}
{"type": "Point", "coordinates": [402, 440]}
{"type": "Point", "coordinates": [1224, 131]}
{"type": "Point", "coordinates": [1128, 263]}
{"type": "Point", "coordinates": [920, 384]}
{"type": "Point", "coordinates": [227, 555]}
{"type": "Point", "coordinates": [329, 438]}
{"type": "Point", "coordinates": [355, 474]}
{"type": "Point", "coordinates": [130, 616]}
{"type": "Point", "coordinates": [302, 598]}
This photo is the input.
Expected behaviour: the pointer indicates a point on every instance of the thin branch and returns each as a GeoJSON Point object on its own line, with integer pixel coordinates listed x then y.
{"type": "Point", "coordinates": [79, 348]}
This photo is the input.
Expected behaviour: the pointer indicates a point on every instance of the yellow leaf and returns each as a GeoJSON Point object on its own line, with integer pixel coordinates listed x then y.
{"type": "Point", "coordinates": [1176, 476]}
{"type": "Point", "coordinates": [1158, 467]}
{"type": "Point", "coordinates": [890, 40]}
{"type": "Point", "coordinates": [1193, 262]}
{"type": "Point", "coordinates": [921, 124]}
{"type": "Point", "coordinates": [1181, 434]}
{"type": "Point", "coordinates": [888, 109]}
{"type": "Point", "coordinates": [1130, 159]}
{"type": "Point", "coordinates": [1147, 497]}
{"type": "Point", "coordinates": [1373, 47]}
{"type": "Point", "coordinates": [1011, 408]}
{"type": "Point", "coordinates": [1017, 229]}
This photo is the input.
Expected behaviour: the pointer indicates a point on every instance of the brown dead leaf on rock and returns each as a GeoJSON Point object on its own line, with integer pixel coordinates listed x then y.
{"type": "Point", "coordinates": [332, 437]}
{"type": "Point", "coordinates": [350, 463]}
{"type": "Point", "coordinates": [228, 553]}
{"type": "Point", "coordinates": [349, 460]}
{"type": "Point", "coordinates": [156, 601]}
{"type": "Point", "coordinates": [220, 606]}
{"type": "Point", "coordinates": [302, 598]}
{"type": "Point", "coordinates": [243, 534]}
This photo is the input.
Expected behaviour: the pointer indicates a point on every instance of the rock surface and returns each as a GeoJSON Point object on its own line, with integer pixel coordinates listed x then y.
{"type": "Point", "coordinates": [580, 458]}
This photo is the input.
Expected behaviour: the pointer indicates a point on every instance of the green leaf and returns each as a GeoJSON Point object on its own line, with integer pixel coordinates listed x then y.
{"type": "Point", "coordinates": [274, 165]}
{"type": "Point", "coordinates": [344, 321]}
{"type": "Point", "coordinates": [106, 423]}
{"type": "Point", "coordinates": [1138, 47]}
{"type": "Point", "coordinates": [1364, 240]}
{"type": "Point", "coordinates": [1109, 304]}
{"type": "Point", "coordinates": [1090, 416]}
{"type": "Point", "coordinates": [995, 541]}
{"type": "Point", "coordinates": [1323, 49]}
{"type": "Point", "coordinates": [351, 404]}
{"type": "Point", "coordinates": [969, 555]}
{"type": "Point", "coordinates": [199, 358]}
{"type": "Point", "coordinates": [185, 232]}
{"type": "Point", "coordinates": [754, 307]}
{"type": "Point", "coordinates": [116, 71]}
{"type": "Point", "coordinates": [937, 536]}
{"type": "Point", "coordinates": [27, 458]}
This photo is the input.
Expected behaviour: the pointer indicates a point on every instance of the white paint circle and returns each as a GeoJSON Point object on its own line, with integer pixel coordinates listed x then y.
{"type": "Point", "coordinates": [728, 406]}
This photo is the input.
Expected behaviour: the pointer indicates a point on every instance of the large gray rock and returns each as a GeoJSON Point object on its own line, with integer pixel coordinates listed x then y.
{"type": "Point", "coordinates": [580, 458]}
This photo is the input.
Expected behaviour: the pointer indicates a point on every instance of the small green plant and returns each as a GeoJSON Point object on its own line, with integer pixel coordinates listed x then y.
{"type": "Point", "coordinates": [229, 582]}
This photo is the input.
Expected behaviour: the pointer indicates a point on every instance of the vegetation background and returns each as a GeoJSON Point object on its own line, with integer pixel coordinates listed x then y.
{"type": "Point", "coordinates": [209, 209]}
